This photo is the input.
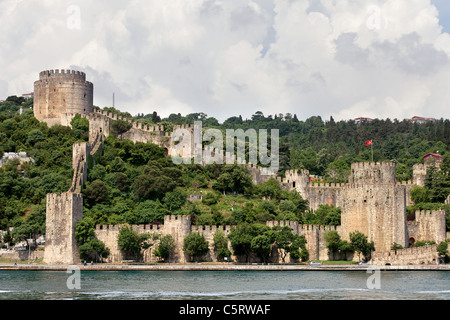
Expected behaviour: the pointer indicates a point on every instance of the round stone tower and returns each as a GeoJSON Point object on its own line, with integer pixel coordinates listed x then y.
{"type": "Point", "coordinates": [58, 93]}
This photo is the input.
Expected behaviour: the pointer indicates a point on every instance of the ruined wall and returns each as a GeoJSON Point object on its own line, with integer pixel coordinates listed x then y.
{"type": "Point", "coordinates": [63, 211]}
{"type": "Point", "coordinates": [60, 92]}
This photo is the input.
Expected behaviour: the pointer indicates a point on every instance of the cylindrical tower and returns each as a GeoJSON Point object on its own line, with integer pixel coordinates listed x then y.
{"type": "Point", "coordinates": [59, 92]}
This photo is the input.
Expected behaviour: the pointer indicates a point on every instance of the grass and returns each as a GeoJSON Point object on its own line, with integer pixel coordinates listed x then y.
{"type": "Point", "coordinates": [7, 260]}
{"type": "Point", "coordinates": [338, 262]}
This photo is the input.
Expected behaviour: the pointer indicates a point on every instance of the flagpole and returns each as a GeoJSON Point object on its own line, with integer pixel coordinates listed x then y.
{"type": "Point", "coordinates": [371, 147]}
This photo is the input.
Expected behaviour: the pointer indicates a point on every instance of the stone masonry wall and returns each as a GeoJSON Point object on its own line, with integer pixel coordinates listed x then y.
{"type": "Point", "coordinates": [61, 91]}
{"type": "Point", "coordinates": [62, 214]}
{"type": "Point", "coordinates": [378, 211]}
{"type": "Point", "coordinates": [409, 256]}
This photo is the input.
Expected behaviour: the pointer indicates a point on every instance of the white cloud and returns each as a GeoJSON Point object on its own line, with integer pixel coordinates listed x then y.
{"type": "Point", "coordinates": [382, 58]}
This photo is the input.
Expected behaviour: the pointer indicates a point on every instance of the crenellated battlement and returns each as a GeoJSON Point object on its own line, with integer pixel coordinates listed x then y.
{"type": "Point", "coordinates": [58, 93]}
{"type": "Point", "coordinates": [405, 183]}
{"type": "Point", "coordinates": [68, 196]}
{"type": "Point", "coordinates": [421, 214]}
{"type": "Point", "coordinates": [158, 130]}
{"type": "Point", "coordinates": [408, 256]}
{"type": "Point", "coordinates": [327, 185]}
{"type": "Point", "coordinates": [212, 229]}
{"type": "Point", "coordinates": [176, 218]}
{"type": "Point", "coordinates": [372, 165]}
{"type": "Point", "coordinates": [66, 74]}
{"type": "Point", "coordinates": [140, 228]}
{"type": "Point", "coordinates": [373, 172]}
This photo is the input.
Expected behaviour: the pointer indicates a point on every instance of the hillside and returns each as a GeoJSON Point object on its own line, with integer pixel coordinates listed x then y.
{"type": "Point", "coordinates": [136, 183]}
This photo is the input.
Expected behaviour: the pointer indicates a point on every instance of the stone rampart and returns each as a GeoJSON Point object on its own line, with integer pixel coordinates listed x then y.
{"type": "Point", "coordinates": [409, 256]}
{"type": "Point", "coordinates": [376, 210]}
{"type": "Point", "coordinates": [62, 214]}
{"type": "Point", "coordinates": [372, 173]}
{"type": "Point", "coordinates": [427, 226]}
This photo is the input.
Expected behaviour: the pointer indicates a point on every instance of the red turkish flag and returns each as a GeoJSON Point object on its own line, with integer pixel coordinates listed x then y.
{"type": "Point", "coordinates": [369, 143]}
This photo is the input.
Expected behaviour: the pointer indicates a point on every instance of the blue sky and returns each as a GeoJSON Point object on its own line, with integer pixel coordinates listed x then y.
{"type": "Point", "coordinates": [346, 58]}
{"type": "Point", "coordinates": [444, 13]}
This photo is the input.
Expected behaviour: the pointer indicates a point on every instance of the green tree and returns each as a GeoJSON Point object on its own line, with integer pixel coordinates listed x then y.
{"type": "Point", "coordinates": [35, 136]}
{"type": "Point", "coordinates": [241, 238]}
{"type": "Point", "coordinates": [360, 244]}
{"type": "Point", "coordinates": [156, 180]}
{"type": "Point", "coordinates": [84, 230]}
{"type": "Point", "coordinates": [93, 250]}
{"type": "Point", "coordinates": [333, 242]}
{"type": "Point", "coordinates": [395, 246]}
{"type": "Point", "coordinates": [270, 189]}
{"type": "Point", "coordinates": [175, 199]}
{"type": "Point", "coordinates": [234, 179]}
{"type": "Point", "coordinates": [221, 245]}
{"type": "Point", "coordinates": [285, 241]}
{"type": "Point", "coordinates": [261, 246]}
{"type": "Point", "coordinates": [132, 242]}
{"type": "Point", "coordinates": [80, 127]}
{"type": "Point", "coordinates": [195, 245]}
{"type": "Point", "coordinates": [298, 249]}
{"type": "Point", "coordinates": [442, 248]}
{"type": "Point", "coordinates": [119, 127]}
{"type": "Point", "coordinates": [96, 192]}
{"type": "Point", "coordinates": [419, 195]}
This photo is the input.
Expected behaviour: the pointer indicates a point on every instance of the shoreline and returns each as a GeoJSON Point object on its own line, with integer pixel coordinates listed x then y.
{"type": "Point", "coordinates": [220, 267]}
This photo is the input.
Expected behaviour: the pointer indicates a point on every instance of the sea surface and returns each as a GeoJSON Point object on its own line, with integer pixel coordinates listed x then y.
{"type": "Point", "coordinates": [224, 285]}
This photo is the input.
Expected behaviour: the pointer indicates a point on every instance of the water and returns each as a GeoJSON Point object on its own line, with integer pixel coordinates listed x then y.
{"type": "Point", "coordinates": [224, 285]}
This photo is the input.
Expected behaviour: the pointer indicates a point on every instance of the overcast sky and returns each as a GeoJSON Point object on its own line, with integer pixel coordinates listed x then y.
{"type": "Point", "coordinates": [340, 58]}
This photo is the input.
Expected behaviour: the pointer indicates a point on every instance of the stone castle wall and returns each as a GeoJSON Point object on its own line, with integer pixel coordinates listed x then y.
{"type": "Point", "coordinates": [180, 226]}
{"type": "Point", "coordinates": [409, 256]}
{"type": "Point", "coordinates": [427, 226]}
{"type": "Point", "coordinates": [378, 211]}
{"type": "Point", "coordinates": [58, 92]}
{"type": "Point", "coordinates": [62, 214]}
{"type": "Point", "coordinates": [372, 202]}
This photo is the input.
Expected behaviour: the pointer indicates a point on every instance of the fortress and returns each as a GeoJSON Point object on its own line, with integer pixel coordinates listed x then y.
{"type": "Point", "coordinates": [372, 202]}
{"type": "Point", "coordinates": [60, 93]}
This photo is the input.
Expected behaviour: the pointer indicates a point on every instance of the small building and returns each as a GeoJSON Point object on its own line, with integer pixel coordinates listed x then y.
{"type": "Point", "coordinates": [363, 120]}
{"type": "Point", "coordinates": [432, 157]}
{"type": "Point", "coordinates": [21, 156]}
{"type": "Point", "coordinates": [315, 178]}
{"type": "Point", "coordinates": [28, 95]}
{"type": "Point", "coordinates": [421, 120]}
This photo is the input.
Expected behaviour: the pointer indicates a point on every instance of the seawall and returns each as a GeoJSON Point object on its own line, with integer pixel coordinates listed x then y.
{"type": "Point", "coordinates": [224, 267]}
